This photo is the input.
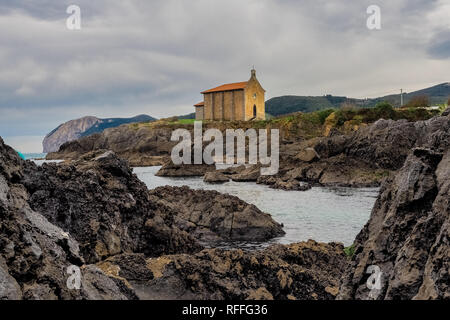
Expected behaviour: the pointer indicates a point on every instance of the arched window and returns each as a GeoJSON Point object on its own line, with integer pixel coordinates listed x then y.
{"type": "Point", "coordinates": [254, 111]}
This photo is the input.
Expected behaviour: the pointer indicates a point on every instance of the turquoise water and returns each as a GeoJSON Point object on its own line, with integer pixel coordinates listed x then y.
{"type": "Point", "coordinates": [31, 156]}
{"type": "Point", "coordinates": [323, 214]}
{"type": "Point", "coordinates": [20, 154]}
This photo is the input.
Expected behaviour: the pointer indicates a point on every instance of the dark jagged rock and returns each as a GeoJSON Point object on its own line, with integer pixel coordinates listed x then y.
{"type": "Point", "coordinates": [338, 171]}
{"type": "Point", "coordinates": [93, 210]}
{"type": "Point", "coordinates": [363, 158]}
{"type": "Point", "coordinates": [387, 143]}
{"type": "Point", "coordinates": [212, 216]}
{"type": "Point", "coordinates": [408, 234]}
{"type": "Point", "coordinates": [34, 254]}
{"type": "Point", "coordinates": [96, 211]}
{"type": "Point", "coordinates": [141, 146]}
{"type": "Point", "coordinates": [233, 169]}
{"type": "Point", "coordinates": [307, 270]}
{"type": "Point", "coordinates": [105, 207]}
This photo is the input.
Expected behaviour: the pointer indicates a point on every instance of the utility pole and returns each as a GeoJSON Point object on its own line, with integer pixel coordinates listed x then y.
{"type": "Point", "coordinates": [401, 97]}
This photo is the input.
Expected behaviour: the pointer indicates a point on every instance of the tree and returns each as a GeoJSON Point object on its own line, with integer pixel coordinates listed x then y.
{"type": "Point", "coordinates": [418, 102]}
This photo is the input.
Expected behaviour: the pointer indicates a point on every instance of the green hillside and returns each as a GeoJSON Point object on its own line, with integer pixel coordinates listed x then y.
{"type": "Point", "coordinates": [289, 104]}
{"type": "Point", "coordinates": [438, 94]}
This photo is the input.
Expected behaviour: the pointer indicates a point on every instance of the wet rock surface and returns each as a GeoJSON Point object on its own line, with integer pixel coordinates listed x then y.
{"type": "Point", "coordinates": [250, 173]}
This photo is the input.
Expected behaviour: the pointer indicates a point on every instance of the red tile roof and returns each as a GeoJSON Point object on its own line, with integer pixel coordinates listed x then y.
{"type": "Point", "coordinates": [200, 104]}
{"type": "Point", "coordinates": [228, 87]}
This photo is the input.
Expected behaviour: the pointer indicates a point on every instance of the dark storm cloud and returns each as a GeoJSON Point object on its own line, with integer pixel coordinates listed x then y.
{"type": "Point", "coordinates": [439, 47]}
{"type": "Point", "coordinates": [155, 57]}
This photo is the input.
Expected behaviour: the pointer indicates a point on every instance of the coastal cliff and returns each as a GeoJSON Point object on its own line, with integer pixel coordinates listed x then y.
{"type": "Point", "coordinates": [140, 146]}
{"type": "Point", "coordinates": [84, 127]}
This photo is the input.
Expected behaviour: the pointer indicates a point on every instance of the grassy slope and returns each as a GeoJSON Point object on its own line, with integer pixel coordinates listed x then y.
{"type": "Point", "coordinates": [306, 125]}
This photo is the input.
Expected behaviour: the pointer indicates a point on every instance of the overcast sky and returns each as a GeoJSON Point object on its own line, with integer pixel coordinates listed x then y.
{"type": "Point", "coordinates": [154, 57]}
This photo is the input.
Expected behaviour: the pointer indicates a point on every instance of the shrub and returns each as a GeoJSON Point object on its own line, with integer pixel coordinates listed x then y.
{"type": "Point", "coordinates": [349, 251]}
{"type": "Point", "coordinates": [323, 114]}
{"type": "Point", "coordinates": [358, 119]}
{"type": "Point", "coordinates": [383, 106]}
{"type": "Point", "coordinates": [415, 114]}
{"type": "Point", "coordinates": [385, 110]}
{"type": "Point", "coordinates": [418, 102]}
{"type": "Point", "coordinates": [312, 118]}
{"type": "Point", "coordinates": [345, 113]}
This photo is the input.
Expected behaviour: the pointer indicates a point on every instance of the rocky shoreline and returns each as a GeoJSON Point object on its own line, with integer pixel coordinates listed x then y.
{"type": "Point", "coordinates": [129, 242]}
{"type": "Point", "coordinates": [141, 147]}
{"type": "Point", "coordinates": [132, 243]}
{"type": "Point", "coordinates": [363, 158]}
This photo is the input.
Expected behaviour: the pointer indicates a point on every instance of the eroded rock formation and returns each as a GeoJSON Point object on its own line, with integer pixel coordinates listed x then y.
{"type": "Point", "coordinates": [131, 243]}
{"type": "Point", "coordinates": [408, 234]}
{"type": "Point", "coordinates": [141, 146]}
{"type": "Point", "coordinates": [35, 254]}
{"type": "Point", "coordinates": [306, 270]}
{"type": "Point", "coordinates": [87, 212]}
{"type": "Point", "coordinates": [213, 216]}
{"type": "Point", "coordinates": [101, 203]}
{"type": "Point", "coordinates": [86, 126]}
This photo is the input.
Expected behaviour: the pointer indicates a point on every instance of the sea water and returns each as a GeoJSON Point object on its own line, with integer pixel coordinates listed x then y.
{"type": "Point", "coordinates": [323, 214]}
{"type": "Point", "coordinates": [32, 156]}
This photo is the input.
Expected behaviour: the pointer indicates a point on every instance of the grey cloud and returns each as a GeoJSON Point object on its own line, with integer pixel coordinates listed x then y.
{"type": "Point", "coordinates": [155, 57]}
{"type": "Point", "coordinates": [439, 47]}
